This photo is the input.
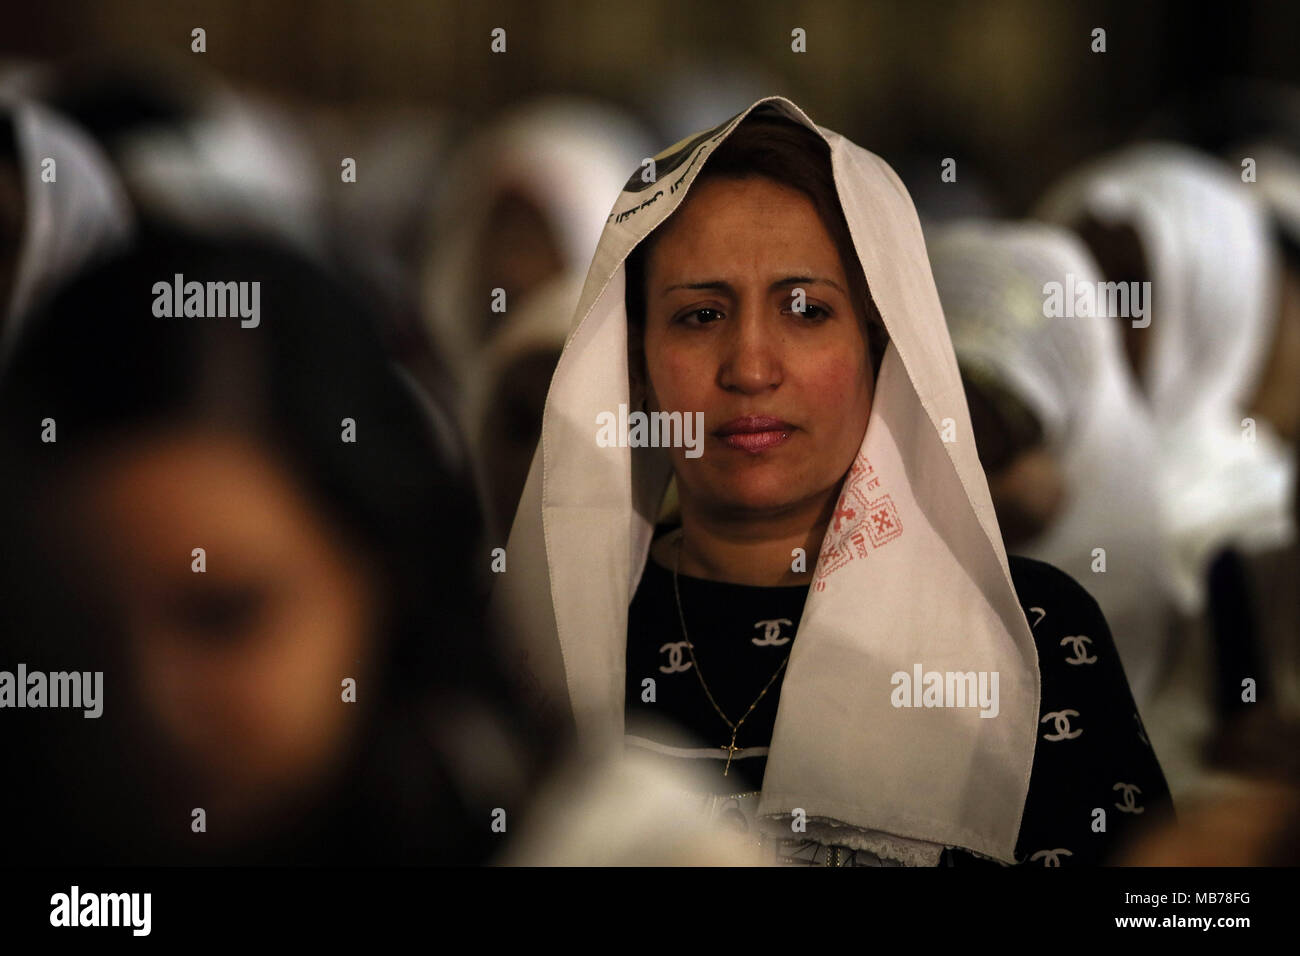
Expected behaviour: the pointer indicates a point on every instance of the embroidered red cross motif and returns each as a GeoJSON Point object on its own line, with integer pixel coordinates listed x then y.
{"type": "Point", "coordinates": [859, 524]}
{"type": "Point", "coordinates": [884, 525]}
{"type": "Point", "coordinates": [844, 540]}
{"type": "Point", "coordinates": [843, 512]}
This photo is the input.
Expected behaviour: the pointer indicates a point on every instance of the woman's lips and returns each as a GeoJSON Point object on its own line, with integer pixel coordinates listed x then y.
{"type": "Point", "coordinates": [755, 442]}
{"type": "Point", "coordinates": [755, 433]}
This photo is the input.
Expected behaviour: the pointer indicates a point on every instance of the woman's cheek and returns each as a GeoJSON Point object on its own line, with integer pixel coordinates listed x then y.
{"type": "Point", "coordinates": [677, 381]}
{"type": "Point", "coordinates": [833, 384]}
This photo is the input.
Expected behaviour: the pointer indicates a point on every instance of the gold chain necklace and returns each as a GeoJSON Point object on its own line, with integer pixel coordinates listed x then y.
{"type": "Point", "coordinates": [731, 748]}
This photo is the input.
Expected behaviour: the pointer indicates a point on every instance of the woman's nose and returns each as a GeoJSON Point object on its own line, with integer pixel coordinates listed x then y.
{"type": "Point", "coordinates": [751, 352]}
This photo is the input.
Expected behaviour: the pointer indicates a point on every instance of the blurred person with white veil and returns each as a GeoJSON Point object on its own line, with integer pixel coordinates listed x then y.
{"type": "Point", "coordinates": [1204, 355]}
{"type": "Point", "coordinates": [1268, 134]}
{"type": "Point", "coordinates": [1057, 386]}
{"type": "Point", "coordinates": [520, 209]}
{"type": "Point", "coordinates": [1167, 215]}
{"type": "Point", "coordinates": [194, 152]}
{"type": "Point", "coordinates": [834, 637]}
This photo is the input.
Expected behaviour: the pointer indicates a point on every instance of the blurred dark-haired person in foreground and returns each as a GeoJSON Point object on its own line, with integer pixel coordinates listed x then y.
{"type": "Point", "coordinates": [218, 494]}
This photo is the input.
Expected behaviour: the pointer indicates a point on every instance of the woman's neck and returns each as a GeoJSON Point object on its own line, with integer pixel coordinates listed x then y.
{"type": "Point", "coordinates": [747, 550]}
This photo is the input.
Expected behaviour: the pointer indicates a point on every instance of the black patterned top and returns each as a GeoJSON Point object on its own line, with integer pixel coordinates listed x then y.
{"type": "Point", "coordinates": [1092, 750]}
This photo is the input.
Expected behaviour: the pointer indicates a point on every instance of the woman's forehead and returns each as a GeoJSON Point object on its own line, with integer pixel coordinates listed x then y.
{"type": "Point", "coordinates": [786, 281]}
{"type": "Point", "coordinates": [745, 197]}
{"type": "Point", "coordinates": [753, 228]}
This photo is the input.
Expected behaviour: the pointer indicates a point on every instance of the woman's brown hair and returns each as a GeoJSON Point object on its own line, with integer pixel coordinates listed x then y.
{"type": "Point", "coordinates": [793, 155]}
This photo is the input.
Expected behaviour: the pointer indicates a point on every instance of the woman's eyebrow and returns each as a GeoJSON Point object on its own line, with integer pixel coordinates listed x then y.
{"type": "Point", "coordinates": [806, 280]}
{"type": "Point", "coordinates": [722, 285]}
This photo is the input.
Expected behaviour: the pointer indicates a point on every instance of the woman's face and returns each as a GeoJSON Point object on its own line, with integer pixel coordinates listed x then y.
{"type": "Point", "coordinates": [239, 665]}
{"type": "Point", "coordinates": [722, 337]}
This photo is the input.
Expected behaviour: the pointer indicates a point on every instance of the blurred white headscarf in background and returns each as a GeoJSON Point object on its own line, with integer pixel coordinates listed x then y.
{"type": "Point", "coordinates": [191, 150]}
{"type": "Point", "coordinates": [80, 216]}
{"type": "Point", "coordinates": [1072, 374]}
{"type": "Point", "coordinates": [567, 156]}
{"type": "Point", "coordinates": [235, 167]}
{"type": "Point", "coordinates": [1213, 311]}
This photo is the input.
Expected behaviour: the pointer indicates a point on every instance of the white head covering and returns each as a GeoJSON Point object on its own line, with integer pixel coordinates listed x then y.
{"type": "Point", "coordinates": [936, 591]}
{"type": "Point", "coordinates": [1072, 374]}
{"type": "Point", "coordinates": [567, 155]}
{"type": "Point", "coordinates": [83, 214]}
{"type": "Point", "coordinates": [235, 167]}
{"type": "Point", "coordinates": [235, 164]}
{"type": "Point", "coordinates": [1213, 310]}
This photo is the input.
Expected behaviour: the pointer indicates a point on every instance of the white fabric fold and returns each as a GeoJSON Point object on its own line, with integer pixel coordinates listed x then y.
{"type": "Point", "coordinates": [236, 167]}
{"type": "Point", "coordinates": [82, 214]}
{"type": "Point", "coordinates": [927, 583]}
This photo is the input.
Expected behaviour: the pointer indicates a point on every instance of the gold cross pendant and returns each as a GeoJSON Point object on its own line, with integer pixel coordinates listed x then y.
{"type": "Point", "coordinates": [731, 750]}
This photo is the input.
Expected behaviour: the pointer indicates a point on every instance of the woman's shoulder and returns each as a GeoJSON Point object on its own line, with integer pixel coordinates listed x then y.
{"type": "Point", "coordinates": [1092, 750]}
{"type": "Point", "coordinates": [1034, 580]}
{"type": "Point", "coordinates": [1056, 604]}
{"type": "Point", "coordinates": [1069, 628]}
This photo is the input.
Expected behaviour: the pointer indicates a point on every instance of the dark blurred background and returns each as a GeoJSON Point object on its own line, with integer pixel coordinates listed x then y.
{"type": "Point", "coordinates": [1010, 84]}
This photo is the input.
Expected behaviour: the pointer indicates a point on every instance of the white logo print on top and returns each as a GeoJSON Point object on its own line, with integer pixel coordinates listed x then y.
{"type": "Point", "coordinates": [772, 633]}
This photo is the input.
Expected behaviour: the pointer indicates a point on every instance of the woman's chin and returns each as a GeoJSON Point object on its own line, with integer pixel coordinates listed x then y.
{"type": "Point", "coordinates": [758, 497]}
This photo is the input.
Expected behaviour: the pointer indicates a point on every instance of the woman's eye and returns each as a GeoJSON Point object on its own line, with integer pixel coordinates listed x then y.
{"type": "Point", "coordinates": [218, 613]}
{"type": "Point", "coordinates": [701, 314]}
{"type": "Point", "coordinates": [813, 313]}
